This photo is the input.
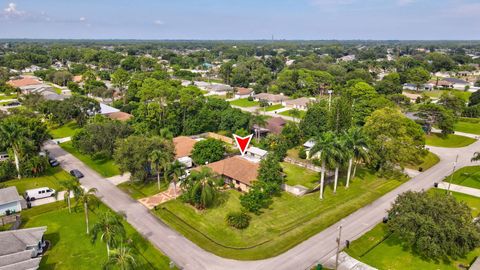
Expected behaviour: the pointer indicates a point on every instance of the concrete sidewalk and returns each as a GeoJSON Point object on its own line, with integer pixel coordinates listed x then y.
{"type": "Point", "coordinates": [460, 189]}
{"type": "Point", "coordinates": [48, 200]}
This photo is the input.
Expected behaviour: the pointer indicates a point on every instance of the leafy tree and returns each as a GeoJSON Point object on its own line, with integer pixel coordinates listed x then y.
{"type": "Point", "coordinates": [390, 84]}
{"type": "Point", "coordinates": [417, 76]}
{"type": "Point", "coordinates": [98, 139]}
{"type": "Point", "coordinates": [270, 172]}
{"type": "Point", "coordinates": [437, 115]}
{"type": "Point", "coordinates": [61, 77]}
{"type": "Point", "coordinates": [393, 139]}
{"type": "Point", "coordinates": [121, 79]}
{"type": "Point", "coordinates": [256, 198]}
{"type": "Point", "coordinates": [209, 150]}
{"type": "Point", "coordinates": [434, 226]}
{"type": "Point", "coordinates": [110, 228]}
{"type": "Point", "coordinates": [316, 120]}
{"type": "Point", "coordinates": [23, 135]}
{"type": "Point", "coordinates": [132, 154]}
{"type": "Point", "coordinates": [452, 102]}
{"type": "Point", "coordinates": [474, 99]}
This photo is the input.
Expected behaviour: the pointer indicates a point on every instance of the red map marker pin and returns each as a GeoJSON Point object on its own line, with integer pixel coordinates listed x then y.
{"type": "Point", "coordinates": [243, 142]}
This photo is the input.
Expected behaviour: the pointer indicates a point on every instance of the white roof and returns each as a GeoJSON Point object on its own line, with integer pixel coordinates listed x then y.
{"type": "Point", "coordinates": [256, 151]}
{"type": "Point", "coordinates": [105, 109]}
{"type": "Point", "coordinates": [309, 143]}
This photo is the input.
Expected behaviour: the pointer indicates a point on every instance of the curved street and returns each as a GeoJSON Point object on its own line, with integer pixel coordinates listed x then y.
{"type": "Point", "coordinates": [316, 249]}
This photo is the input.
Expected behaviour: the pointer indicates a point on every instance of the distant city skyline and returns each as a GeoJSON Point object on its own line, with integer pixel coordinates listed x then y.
{"type": "Point", "coordinates": [241, 20]}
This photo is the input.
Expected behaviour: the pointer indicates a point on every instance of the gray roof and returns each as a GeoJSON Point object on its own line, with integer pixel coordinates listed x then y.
{"type": "Point", "coordinates": [309, 143]}
{"type": "Point", "coordinates": [30, 264]}
{"type": "Point", "coordinates": [18, 240]}
{"type": "Point", "coordinates": [8, 195]}
{"type": "Point", "coordinates": [455, 80]}
{"type": "Point", "coordinates": [256, 151]}
{"type": "Point", "coordinates": [271, 97]}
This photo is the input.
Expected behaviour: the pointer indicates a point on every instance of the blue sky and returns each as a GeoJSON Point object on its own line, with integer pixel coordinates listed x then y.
{"type": "Point", "coordinates": [241, 19]}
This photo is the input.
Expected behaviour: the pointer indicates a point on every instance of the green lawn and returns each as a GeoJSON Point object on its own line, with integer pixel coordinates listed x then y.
{"type": "Point", "coordinates": [56, 89]}
{"type": "Point", "coordinates": [106, 168]}
{"type": "Point", "coordinates": [451, 140]}
{"type": "Point", "coordinates": [373, 250]}
{"type": "Point", "coordinates": [52, 179]}
{"type": "Point", "coordinates": [273, 107]}
{"type": "Point", "coordinates": [468, 125]}
{"type": "Point", "coordinates": [244, 102]}
{"type": "Point", "coordinates": [296, 175]}
{"type": "Point", "coordinates": [66, 130]}
{"type": "Point", "coordinates": [71, 246]}
{"type": "Point", "coordinates": [426, 163]}
{"type": "Point", "coordinates": [466, 176]}
{"type": "Point", "coordinates": [289, 220]}
{"type": "Point", "coordinates": [438, 93]}
{"type": "Point", "coordinates": [4, 97]}
{"type": "Point", "coordinates": [138, 190]}
{"type": "Point", "coordinates": [288, 113]}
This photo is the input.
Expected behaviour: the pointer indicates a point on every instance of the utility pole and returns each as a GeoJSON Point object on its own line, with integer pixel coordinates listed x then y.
{"type": "Point", "coordinates": [338, 246]}
{"type": "Point", "coordinates": [451, 176]}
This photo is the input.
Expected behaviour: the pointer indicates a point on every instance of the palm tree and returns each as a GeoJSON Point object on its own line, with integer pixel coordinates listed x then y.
{"type": "Point", "coordinates": [178, 170]}
{"type": "Point", "coordinates": [85, 197]}
{"type": "Point", "coordinates": [200, 188]}
{"type": "Point", "coordinates": [324, 145]}
{"type": "Point", "coordinates": [338, 158]}
{"type": "Point", "coordinates": [11, 136]}
{"type": "Point", "coordinates": [295, 113]}
{"type": "Point", "coordinates": [476, 156]}
{"type": "Point", "coordinates": [110, 228]}
{"type": "Point", "coordinates": [70, 187]}
{"type": "Point", "coordinates": [356, 144]}
{"type": "Point", "coordinates": [121, 258]}
{"type": "Point", "coordinates": [257, 120]}
{"type": "Point", "coordinates": [155, 158]}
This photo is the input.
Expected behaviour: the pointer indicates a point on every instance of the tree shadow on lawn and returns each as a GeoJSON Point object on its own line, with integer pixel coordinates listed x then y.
{"type": "Point", "coordinates": [53, 238]}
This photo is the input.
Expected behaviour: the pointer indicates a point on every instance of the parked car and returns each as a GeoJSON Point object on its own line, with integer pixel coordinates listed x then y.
{"type": "Point", "coordinates": [53, 162]}
{"type": "Point", "coordinates": [39, 193]}
{"type": "Point", "coordinates": [13, 103]}
{"type": "Point", "coordinates": [76, 173]}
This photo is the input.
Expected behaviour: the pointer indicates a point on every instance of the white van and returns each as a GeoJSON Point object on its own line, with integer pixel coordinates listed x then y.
{"type": "Point", "coordinates": [39, 193]}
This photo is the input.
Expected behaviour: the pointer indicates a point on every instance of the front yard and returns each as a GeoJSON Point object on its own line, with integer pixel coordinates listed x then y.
{"type": "Point", "coordinates": [138, 190]}
{"type": "Point", "coordinates": [244, 102]}
{"type": "Point", "coordinates": [376, 248]}
{"type": "Point", "coordinates": [105, 167]}
{"type": "Point", "coordinates": [66, 130]}
{"type": "Point", "coordinates": [426, 163]}
{"type": "Point", "coordinates": [289, 113]}
{"type": "Point", "coordinates": [71, 247]}
{"type": "Point", "coordinates": [466, 176]}
{"type": "Point", "coordinates": [274, 107]}
{"type": "Point", "coordinates": [289, 220]}
{"type": "Point", "coordinates": [296, 175]}
{"type": "Point", "coordinates": [51, 179]}
{"type": "Point", "coordinates": [451, 140]}
{"type": "Point", "coordinates": [468, 125]}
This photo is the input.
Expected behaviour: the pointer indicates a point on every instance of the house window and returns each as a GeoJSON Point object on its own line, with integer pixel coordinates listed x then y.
{"type": "Point", "coordinates": [238, 182]}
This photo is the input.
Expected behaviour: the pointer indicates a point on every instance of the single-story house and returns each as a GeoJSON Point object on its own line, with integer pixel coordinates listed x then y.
{"type": "Point", "coordinates": [105, 109]}
{"type": "Point", "coordinates": [31, 69]}
{"type": "Point", "coordinates": [24, 81]}
{"type": "Point", "coordinates": [422, 87]}
{"type": "Point", "coordinates": [255, 154]}
{"type": "Point", "coordinates": [458, 83]}
{"type": "Point", "coordinates": [347, 58]}
{"type": "Point", "coordinates": [442, 83]}
{"type": "Point", "coordinates": [10, 201]}
{"type": "Point", "coordinates": [274, 125]}
{"type": "Point", "coordinates": [183, 149]}
{"type": "Point", "coordinates": [219, 137]}
{"type": "Point", "coordinates": [299, 103]}
{"type": "Point", "coordinates": [271, 98]}
{"type": "Point", "coordinates": [412, 97]}
{"type": "Point", "coordinates": [237, 170]}
{"type": "Point", "coordinates": [242, 92]}
{"type": "Point", "coordinates": [22, 249]}
{"type": "Point", "coordinates": [120, 116]}
{"type": "Point", "coordinates": [308, 145]}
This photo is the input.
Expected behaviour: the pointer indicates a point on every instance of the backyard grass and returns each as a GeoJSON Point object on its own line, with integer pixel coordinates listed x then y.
{"type": "Point", "coordinates": [287, 222]}
{"type": "Point", "coordinates": [66, 130]}
{"type": "Point", "coordinates": [71, 247]}
{"type": "Point", "coordinates": [373, 250]}
{"type": "Point", "coordinates": [467, 176]}
{"type": "Point", "coordinates": [296, 175]}
{"type": "Point", "coordinates": [244, 102]}
{"type": "Point", "coordinates": [426, 163]}
{"type": "Point", "coordinates": [138, 190]}
{"type": "Point", "coordinates": [106, 168]}
{"type": "Point", "coordinates": [51, 179]}
{"type": "Point", "coordinates": [5, 97]}
{"type": "Point", "coordinates": [274, 107]}
{"type": "Point", "coordinates": [468, 125]}
{"type": "Point", "coordinates": [450, 141]}
{"type": "Point", "coordinates": [289, 113]}
{"type": "Point", "coordinates": [438, 93]}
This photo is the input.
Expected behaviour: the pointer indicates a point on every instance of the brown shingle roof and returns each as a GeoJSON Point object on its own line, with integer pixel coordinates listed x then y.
{"type": "Point", "coordinates": [244, 91]}
{"type": "Point", "coordinates": [236, 168]}
{"type": "Point", "coordinates": [23, 82]}
{"type": "Point", "coordinates": [183, 146]}
{"type": "Point", "coordinates": [303, 101]}
{"type": "Point", "coordinates": [271, 97]}
{"type": "Point", "coordinates": [274, 125]}
{"type": "Point", "coordinates": [120, 116]}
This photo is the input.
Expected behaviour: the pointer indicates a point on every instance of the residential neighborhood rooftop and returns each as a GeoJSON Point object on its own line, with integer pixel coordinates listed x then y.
{"type": "Point", "coordinates": [183, 146]}
{"type": "Point", "coordinates": [236, 168]}
{"type": "Point", "coordinates": [8, 195]}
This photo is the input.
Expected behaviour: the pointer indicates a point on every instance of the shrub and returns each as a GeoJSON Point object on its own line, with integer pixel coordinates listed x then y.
{"type": "Point", "coordinates": [302, 153]}
{"type": "Point", "coordinates": [239, 220]}
{"type": "Point", "coordinates": [7, 171]}
{"type": "Point", "coordinates": [250, 98]}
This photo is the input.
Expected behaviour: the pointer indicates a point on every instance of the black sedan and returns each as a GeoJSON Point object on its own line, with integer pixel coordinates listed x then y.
{"type": "Point", "coordinates": [76, 173]}
{"type": "Point", "coordinates": [53, 162]}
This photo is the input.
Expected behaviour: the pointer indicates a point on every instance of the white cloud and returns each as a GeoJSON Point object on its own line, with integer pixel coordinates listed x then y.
{"type": "Point", "coordinates": [82, 19]}
{"type": "Point", "coordinates": [12, 11]}
{"type": "Point", "coordinates": [158, 22]}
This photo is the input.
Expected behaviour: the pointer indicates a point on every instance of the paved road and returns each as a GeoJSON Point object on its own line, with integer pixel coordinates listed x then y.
{"type": "Point", "coordinates": [269, 113]}
{"type": "Point", "coordinates": [316, 249]}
